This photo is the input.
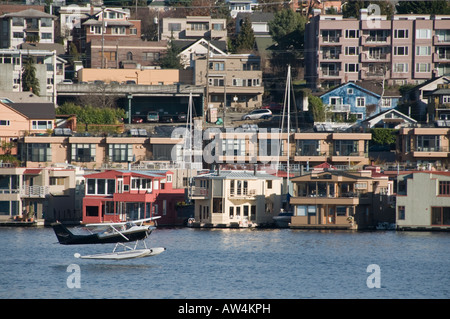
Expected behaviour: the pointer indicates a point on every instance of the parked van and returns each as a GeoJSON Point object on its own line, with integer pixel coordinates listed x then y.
{"type": "Point", "coordinates": [152, 116]}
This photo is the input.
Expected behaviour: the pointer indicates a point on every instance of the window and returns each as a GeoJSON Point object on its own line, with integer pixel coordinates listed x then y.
{"type": "Point", "coordinates": [351, 67]}
{"type": "Point", "coordinates": [118, 30]}
{"type": "Point", "coordinates": [386, 102]}
{"type": "Point", "coordinates": [423, 67]}
{"type": "Point", "coordinates": [350, 91]}
{"type": "Point", "coordinates": [100, 186]}
{"type": "Point", "coordinates": [216, 82]}
{"type": "Point", "coordinates": [18, 35]}
{"type": "Point", "coordinates": [351, 50]}
{"type": "Point", "coordinates": [360, 101]}
{"type": "Point", "coordinates": [42, 125]}
{"type": "Point", "coordinates": [440, 216]}
{"type": "Point", "coordinates": [400, 50]}
{"type": "Point", "coordinates": [174, 26]}
{"type": "Point", "coordinates": [308, 148]}
{"type": "Point", "coordinates": [345, 147]}
{"type": "Point", "coordinates": [445, 100]}
{"type": "Point", "coordinates": [120, 152]}
{"type": "Point", "coordinates": [401, 213]}
{"type": "Point", "coordinates": [18, 22]}
{"type": "Point", "coordinates": [400, 67]}
{"type": "Point", "coordinates": [151, 56]}
{"type": "Point", "coordinates": [351, 34]}
{"type": "Point", "coordinates": [218, 27]}
{"type": "Point", "coordinates": [426, 143]}
{"type": "Point", "coordinates": [250, 66]}
{"type": "Point", "coordinates": [46, 36]}
{"type": "Point", "coordinates": [198, 26]}
{"type": "Point", "coordinates": [133, 31]}
{"type": "Point", "coordinates": [39, 152]}
{"type": "Point", "coordinates": [217, 66]}
{"type": "Point", "coordinates": [335, 101]}
{"type": "Point", "coordinates": [231, 212]}
{"type": "Point", "coordinates": [269, 184]}
{"type": "Point", "coordinates": [423, 50]}
{"type": "Point", "coordinates": [400, 34]}
{"type": "Point", "coordinates": [423, 34]}
{"type": "Point", "coordinates": [83, 152]}
{"type": "Point", "coordinates": [5, 122]}
{"type": "Point", "coordinates": [57, 181]}
{"type": "Point", "coordinates": [444, 187]}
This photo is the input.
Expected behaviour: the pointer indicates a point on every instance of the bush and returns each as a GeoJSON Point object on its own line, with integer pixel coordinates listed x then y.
{"type": "Point", "coordinates": [92, 115]}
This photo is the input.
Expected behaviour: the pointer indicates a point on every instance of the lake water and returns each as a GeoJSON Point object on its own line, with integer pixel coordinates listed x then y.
{"type": "Point", "coordinates": [232, 264]}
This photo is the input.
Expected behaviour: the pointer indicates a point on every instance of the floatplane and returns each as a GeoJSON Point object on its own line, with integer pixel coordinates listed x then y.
{"type": "Point", "coordinates": [122, 234]}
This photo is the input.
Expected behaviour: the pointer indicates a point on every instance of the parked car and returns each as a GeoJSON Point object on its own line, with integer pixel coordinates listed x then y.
{"type": "Point", "coordinates": [130, 82]}
{"type": "Point", "coordinates": [137, 119]}
{"type": "Point", "coordinates": [258, 114]}
{"type": "Point", "coordinates": [152, 116]}
{"type": "Point", "coordinates": [66, 81]}
{"type": "Point", "coordinates": [182, 117]}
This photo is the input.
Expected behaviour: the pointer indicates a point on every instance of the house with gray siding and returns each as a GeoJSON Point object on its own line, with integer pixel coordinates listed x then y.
{"type": "Point", "coordinates": [423, 201]}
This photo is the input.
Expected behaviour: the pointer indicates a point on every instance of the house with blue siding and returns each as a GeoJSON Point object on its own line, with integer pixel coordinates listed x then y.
{"type": "Point", "coordinates": [358, 101]}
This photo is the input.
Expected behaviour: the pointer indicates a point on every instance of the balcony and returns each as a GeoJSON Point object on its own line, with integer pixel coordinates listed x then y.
{"type": "Point", "coordinates": [35, 191]}
{"type": "Point", "coordinates": [375, 57]}
{"type": "Point", "coordinates": [430, 152]}
{"type": "Point", "coordinates": [331, 56]}
{"type": "Point", "coordinates": [329, 40]}
{"type": "Point", "coordinates": [442, 57]}
{"type": "Point", "coordinates": [200, 193]}
{"type": "Point", "coordinates": [243, 193]}
{"type": "Point", "coordinates": [340, 108]}
{"type": "Point", "coordinates": [441, 39]}
{"type": "Point", "coordinates": [332, 73]}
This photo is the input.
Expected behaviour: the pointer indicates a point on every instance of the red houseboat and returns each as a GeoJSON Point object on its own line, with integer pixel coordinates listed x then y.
{"type": "Point", "coordinates": [120, 195]}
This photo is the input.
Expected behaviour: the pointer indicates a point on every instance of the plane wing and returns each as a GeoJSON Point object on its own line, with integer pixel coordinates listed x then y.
{"type": "Point", "coordinates": [137, 222]}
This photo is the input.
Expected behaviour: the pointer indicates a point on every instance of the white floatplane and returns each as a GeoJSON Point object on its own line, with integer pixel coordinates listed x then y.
{"type": "Point", "coordinates": [122, 234]}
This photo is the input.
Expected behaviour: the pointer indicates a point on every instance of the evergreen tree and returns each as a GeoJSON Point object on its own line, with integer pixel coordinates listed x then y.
{"type": "Point", "coordinates": [171, 60]}
{"type": "Point", "coordinates": [29, 80]}
{"type": "Point", "coordinates": [423, 7]}
{"type": "Point", "coordinates": [246, 38]}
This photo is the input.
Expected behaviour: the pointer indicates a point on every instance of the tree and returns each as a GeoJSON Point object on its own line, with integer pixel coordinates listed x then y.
{"type": "Point", "coordinates": [270, 5]}
{"type": "Point", "coordinates": [171, 60]}
{"type": "Point", "coordinates": [29, 80]}
{"type": "Point", "coordinates": [351, 8]}
{"type": "Point", "coordinates": [246, 38]}
{"type": "Point", "coordinates": [423, 7]}
{"type": "Point", "coordinates": [317, 109]}
{"type": "Point", "coordinates": [287, 30]}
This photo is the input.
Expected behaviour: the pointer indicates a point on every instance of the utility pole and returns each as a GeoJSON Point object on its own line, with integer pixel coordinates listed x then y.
{"type": "Point", "coordinates": [103, 37]}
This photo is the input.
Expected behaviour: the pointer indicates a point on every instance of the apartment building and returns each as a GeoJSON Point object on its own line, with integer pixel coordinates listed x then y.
{"type": "Point", "coordinates": [190, 28]}
{"type": "Point", "coordinates": [236, 198]}
{"type": "Point", "coordinates": [49, 70]}
{"type": "Point", "coordinates": [404, 49]}
{"type": "Point", "coordinates": [238, 77]}
{"type": "Point", "coordinates": [26, 26]}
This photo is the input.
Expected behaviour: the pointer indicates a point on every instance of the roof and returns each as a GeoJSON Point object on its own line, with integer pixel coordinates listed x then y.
{"type": "Point", "coordinates": [28, 13]}
{"type": "Point", "coordinates": [35, 110]}
{"type": "Point", "coordinates": [369, 87]}
{"type": "Point", "coordinates": [114, 173]}
{"type": "Point", "coordinates": [237, 174]}
{"type": "Point", "coordinates": [108, 22]}
{"type": "Point", "coordinates": [220, 46]}
{"type": "Point", "coordinates": [443, 91]}
{"type": "Point", "coordinates": [256, 16]}
{"type": "Point", "coordinates": [400, 114]}
{"type": "Point", "coordinates": [20, 97]}
{"type": "Point", "coordinates": [58, 47]}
